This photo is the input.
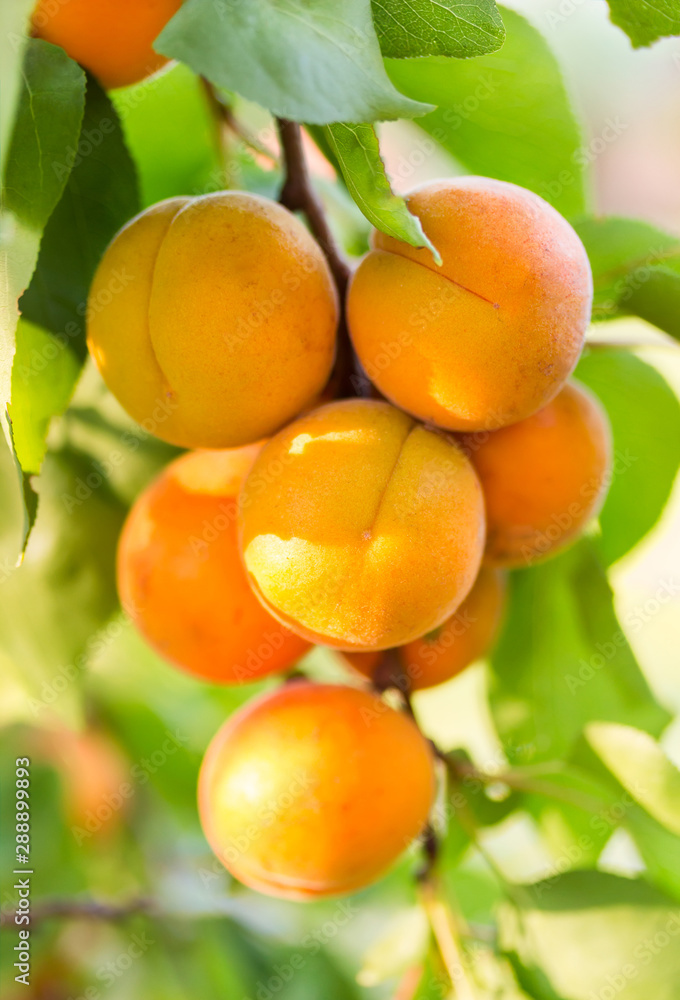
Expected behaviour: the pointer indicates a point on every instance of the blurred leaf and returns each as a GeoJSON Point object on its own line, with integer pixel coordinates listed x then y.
{"type": "Point", "coordinates": [64, 591]}
{"type": "Point", "coordinates": [659, 849]}
{"type": "Point", "coordinates": [170, 133]}
{"type": "Point", "coordinates": [574, 811]}
{"type": "Point", "coordinates": [312, 62]}
{"type": "Point", "coordinates": [642, 767]}
{"type": "Point", "coordinates": [645, 417]}
{"type": "Point", "coordinates": [644, 21]}
{"type": "Point", "coordinates": [505, 115]}
{"type": "Point", "coordinates": [588, 933]}
{"type": "Point", "coordinates": [563, 660]}
{"type": "Point", "coordinates": [636, 271]}
{"type": "Point", "coordinates": [459, 28]}
{"type": "Point", "coordinates": [100, 196]}
{"type": "Point", "coordinates": [44, 373]}
{"type": "Point", "coordinates": [402, 943]}
{"type": "Point", "coordinates": [357, 153]}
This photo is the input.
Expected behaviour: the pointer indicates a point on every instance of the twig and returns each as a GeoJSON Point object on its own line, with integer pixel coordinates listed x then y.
{"type": "Point", "coordinates": [525, 783]}
{"type": "Point", "coordinates": [298, 195]}
{"type": "Point", "coordinates": [224, 115]}
{"type": "Point", "coordinates": [78, 908]}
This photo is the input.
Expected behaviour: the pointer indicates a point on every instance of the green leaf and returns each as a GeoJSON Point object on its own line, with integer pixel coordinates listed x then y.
{"type": "Point", "coordinates": [357, 152]}
{"type": "Point", "coordinates": [563, 660]}
{"type": "Point", "coordinates": [636, 271]}
{"type": "Point", "coordinates": [642, 767]}
{"type": "Point", "coordinates": [171, 135]}
{"type": "Point", "coordinates": [644, 21]}
{"type": "Point", "coordinates": [43, 376]}
{"type": "Point", "coordinates": [44, 137]}
{"type": "Point", "coordinates": [505, 115]}
{"type": "Point", "coordinates": [314, 61]}
{"type": "Point", "coordinates": [100, 196]}
{"type": "Point", "coordinates": [645, 418]}
{"type": "Point", "coordinates": [401, 944]}
{"type": "Point", "coordinates": [458, 28]}
{"type": "Point", "coordinates": [589, 934]}
{"type": "Point", "coordinates": [14, 17]}
{"type": "Point", "coordinates": [45, 134]}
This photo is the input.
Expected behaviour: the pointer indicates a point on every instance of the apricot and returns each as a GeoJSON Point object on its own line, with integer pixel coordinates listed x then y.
{"type": "Point", "coordinates": [443, 653]}
{"type": "Point", "coordinates": [489, 337]}
{"type": "Point", "coordinates": [111, 38]}
{"type": "Point", "coordinates": [359, 528]}
{"type": "Point", "coordinates": [314, 790]}
{"type": "Point", "coordinates": [212, 319]}
{"type": "Point", "coordinates": [543, 478]}
{"type": "Point", "coordinates": [180, 576]}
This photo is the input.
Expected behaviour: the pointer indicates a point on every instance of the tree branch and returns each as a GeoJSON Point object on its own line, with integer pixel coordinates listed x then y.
{"type": "Point", "coordinates": [298, 195]}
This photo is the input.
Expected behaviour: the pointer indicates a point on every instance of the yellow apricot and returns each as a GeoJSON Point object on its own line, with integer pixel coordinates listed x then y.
{"type": "Point", "coordinates": [490, 336]}
{"type": "Point", "coordinates": [359, 528]}
{"type": "Point", "coordinates": [212, 319]}
{"type": "Point", "coordinates": [443, 653]}
{"type": "Point", "coordinates": [314, 790]}
{"type": "Point", "coordinates": [543, 478]}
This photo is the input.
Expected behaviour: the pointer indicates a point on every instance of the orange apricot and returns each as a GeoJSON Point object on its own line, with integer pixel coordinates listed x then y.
{"type": "Point", "coordinates": [443, 653]}
{"type": "Point", "coordinates": [181, 580]}
{"type": "Point", "coordinates": [111, 38]}
{"type": "Point", "coordinates": [314, 790]}
{"type": "Point", "coordinates": [212, 319]}
{"type": "Point", "coordinates": [489, 337]}
{"type": "Point", "coordinates": [543, 478]}
{"type": "Point", "coordinates": [359, 528]}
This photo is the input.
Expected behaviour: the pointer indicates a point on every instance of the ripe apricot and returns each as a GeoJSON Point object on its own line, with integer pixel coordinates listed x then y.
{"type": "Point", "coordinates": [360, 528]}
{"type": "Point", "coordinates": [441, 654]}
{"type": "Point", "coordinates": [490, 336]}
{"type": "Point", "coordinates": [212, 319]}
{"type": "Point", "coordinates": [180, 576]}
{"type": "Point", "coordinates": [314, 790]}
{"type": "Point", "coordinates": [111, 38]}
{"type": "Point", "coordinates": [543, 478]}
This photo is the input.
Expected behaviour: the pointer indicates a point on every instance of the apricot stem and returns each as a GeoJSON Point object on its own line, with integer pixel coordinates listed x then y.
{"type": "Point", "coordinates": [298, 195]}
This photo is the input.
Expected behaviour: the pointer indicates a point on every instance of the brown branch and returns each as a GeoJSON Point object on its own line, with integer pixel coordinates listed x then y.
{"type": "Point", "coordinates": [78, 908]}
{"type": "Point", "coordinates": [298, 195]}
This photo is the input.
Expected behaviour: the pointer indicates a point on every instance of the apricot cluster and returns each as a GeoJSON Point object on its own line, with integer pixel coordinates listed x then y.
{"type": "Point", "coordinates": [379, 527]}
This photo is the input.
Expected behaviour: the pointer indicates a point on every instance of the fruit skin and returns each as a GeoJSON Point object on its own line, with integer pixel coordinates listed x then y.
{"type": "Point", "coordinates": [180, 576]}
{"type": "Point", "coordinates": [212, 319]}
{"type": "Point", "coordinates": [359, 528]}
{"type": "Point", "coordinates": [491, 336]}
{"type": "Point", "coordinates": [314, 790]}
{"type": "Point", "coordinates": [111, 38]}
{"type": "Point", "coordinates": [442, 654]}
{"type": "Point", "coordinates": [543, 478]}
